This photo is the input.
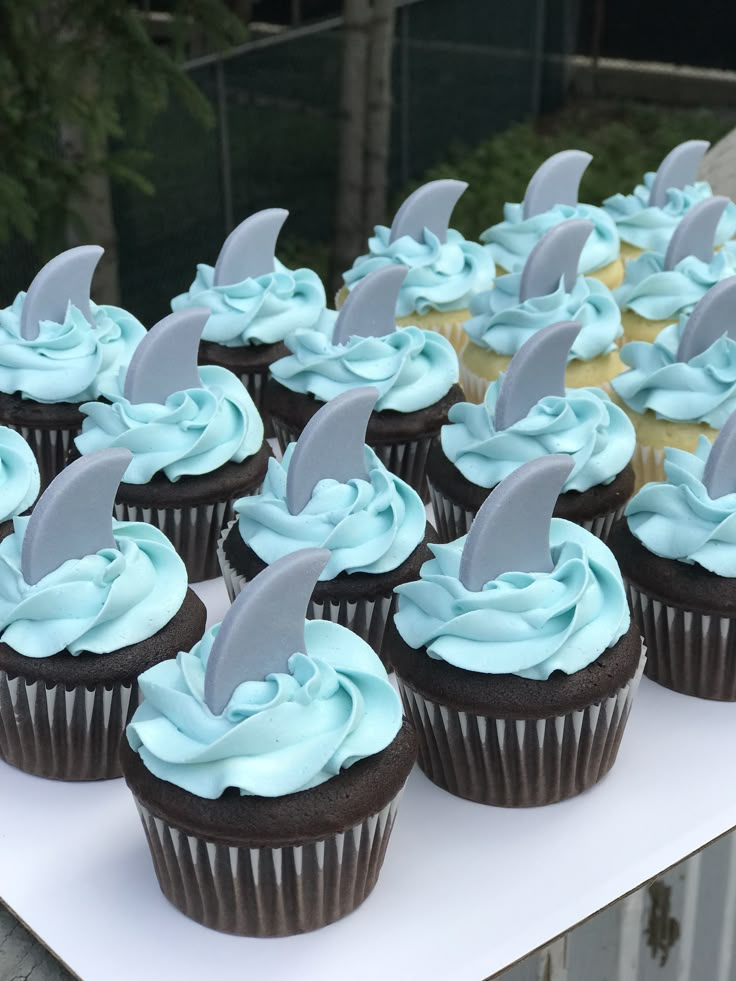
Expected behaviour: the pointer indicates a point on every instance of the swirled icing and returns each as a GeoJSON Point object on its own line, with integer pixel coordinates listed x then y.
{"type": "Point", "coordinates": [19, 477]}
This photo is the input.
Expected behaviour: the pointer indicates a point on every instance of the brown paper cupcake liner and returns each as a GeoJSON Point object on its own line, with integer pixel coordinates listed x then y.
{"type": "Point", "coordinates": [50, 448]}
{"type": "Point", "coordinates": [689, 652]}
{"type": "Point", "coordinates": [268, 892]}
{"type": "Point", "coordinates": [522, 762]}
{"type": "Point", "coordinates": [64, 734]}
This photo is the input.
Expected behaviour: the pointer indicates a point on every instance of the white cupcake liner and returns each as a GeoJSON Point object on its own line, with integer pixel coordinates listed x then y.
{"type": "Point", "coordinates": [455, 334]}
{"type": "Point", "coordinates": [519, 763]}
{"type": "Point", "coordinates": [268, 892]}
{"type": "Point", "coordinates": [64, 734]}
{"type": "Point", "coordinates": [50, 448]}
{"type": "Point", "coordinates": [365, 617]}
{"type": "Point", "coordinates": [692, 653]}
{"type": "Point", "coordinates": [648, 464]}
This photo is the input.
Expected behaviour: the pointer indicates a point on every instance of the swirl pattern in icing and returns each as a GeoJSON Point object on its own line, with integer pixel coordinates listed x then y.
{"type": "Point", "coordinates": [20, 481]}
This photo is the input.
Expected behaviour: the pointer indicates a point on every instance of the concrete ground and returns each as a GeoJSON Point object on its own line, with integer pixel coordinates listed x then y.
{"type": "Point", "coordinates": [22, 958]}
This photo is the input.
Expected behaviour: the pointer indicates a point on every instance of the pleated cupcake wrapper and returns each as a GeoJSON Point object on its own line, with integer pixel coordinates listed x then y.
{"type": "Point", "coordinates": [453, 521]}
{"type": "Point", "coordinates": [408, 460]}
{"type": "Point", "coordinates": [50, 448]}
{"type": "Point", "coordinates": [64, 734]}
{"type": "Point", "coordinates": [693, 653]}
{"type": "Point", "coordinates": [648, 464]}
{"type": "Point", "coordinates": [454, 333]}
{"type": "Point", "coordinates": [268, 892]}
{"type": "Point", "coordinates": [365, 617]}
{"type": "Point", "coordinates": [519, 763]}
{"type": "Point", "coordinates": [475, 387]}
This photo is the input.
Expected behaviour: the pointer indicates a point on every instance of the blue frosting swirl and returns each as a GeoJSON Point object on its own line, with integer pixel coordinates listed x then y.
{"type": "Point", "coordinates": [700, 390]}
{"type": "Point", "coordinates": [69, 362]}
{"type": "Point", "coordinates": [511, 240]}
{"type": "Point", "coordinates": [502, 323]}
{"type": "Point", "coordinates": [651, 228]}
{"type": "Point", "coordinates": [255, 311]}
{"type": "Point", "coordinates": [288, 733]}
{"type": "Point", "coordinates": [100, 603]}
{"type": "Point", "coordinates": [584, 424]}
{"type": "Point", "coordinates": [193, 432]}
{"type": "Point", "coordinates": [411, 368]}
{"type": "Point", "coordinates": [525, 623]}
{"type": "Point", "coordinates": [441, 276]}
{"type": "Point", "coordinates": [678, 519]}
{"type": "Point", "coordinates": [20, 481]}
{"type": "Point", "coordinates": [368, 525]}
{"type": "Point", "coordinates": [658, 293]}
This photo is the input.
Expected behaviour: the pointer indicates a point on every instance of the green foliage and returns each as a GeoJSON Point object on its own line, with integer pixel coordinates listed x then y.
{"type": "Point", "coordinates": [625, 143]}
{"type": "Point", "coordinates": [76, 76]}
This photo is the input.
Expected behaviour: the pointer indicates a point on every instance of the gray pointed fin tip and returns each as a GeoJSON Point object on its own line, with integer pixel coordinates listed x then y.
{"type": "Point", "coordinates": [249, 250]}
{"type": "Point", "coordinates": [165, 360]}
{"type": "Point", "coordinates": [695, 233]}
{"type": "Point", "coordinates": [556, 256]}
{"type": "Point", "coordinates": [264, 626]}
{"type": "Point", "coordinates": [555, 182]}
{"type": "Point", "coordinates": [536, 370]}
{"type": "Point", "coordinates": [332, 445]}
{"type": "Point", "coordinates": [65, 279]}
{"type": "Point", "coordinates": [678, 169]}
{"type": "Point", "coordinates": [73, 517]}
{"type": "Point", "coordinates": [369, 309]}
{"type": "Point", "coordinates": [713, 316]}
{"type": "Point", "coordinates": [719, 476]}
{"type": "Point", "coordinates": [431, 207]}
{"type": "Point", "coordinates": [510, 532]}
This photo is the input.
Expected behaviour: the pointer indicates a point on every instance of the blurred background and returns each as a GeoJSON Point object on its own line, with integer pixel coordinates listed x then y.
{"type": "Point", "coordinates": [154, 127]}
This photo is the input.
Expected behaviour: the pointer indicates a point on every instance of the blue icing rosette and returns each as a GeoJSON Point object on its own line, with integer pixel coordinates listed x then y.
{"type": "Point", "coordinates": [20, 481]}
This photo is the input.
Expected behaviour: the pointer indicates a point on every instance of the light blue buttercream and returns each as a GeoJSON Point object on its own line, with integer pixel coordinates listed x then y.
{"type": "Point", "coordinates": [512, 239]}
{"type": "Point", "coordinates": [651, 228]}
{"type": "Point", "coordinates": [522, 623]}
{"type": "Point", "coordinates": [100, 603]}
{"type": "Point", "coordinates": [678, 519]}
{"type": "Point", "coordinates": [193, 432]}
{"type": "Point", "coordinates": [69, 362]}
{"type": "Point", "coordinates": [411, 368]}
{"type": "Point", "coordinates": [19, 477]}
{"type": "Point", "coordinates": [700, 390]}
{"type": "Point", "coordinates": [368, 525]}
{"type": "Point", "coordinates": [584, 424]}
{"type": "Point", "coordinates": [255, 311]}
{"type": "Point", "coordinates": [441, 276]}
{"type": "Point", "coordinates": [501, 323]}
{"type": "Point", "coordinates": [275, 737]}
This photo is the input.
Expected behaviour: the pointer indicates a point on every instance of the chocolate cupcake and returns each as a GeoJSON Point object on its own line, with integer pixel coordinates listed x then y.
{"type": "Point", "coordinates": [267, 764]}
{"type": "Point", "coordinates": [254, 302]}
{"type": "Point", "coordinates": [331, 491]}
{"type": "Point", "coordinates": [515, 653]}
{"type": "Point", "coordinates": [677, 550]}
{"type": "Point", "coordinates": [86, 604]}
{"type": "Point", "coordinates": [526, 414]}
{"type": "Point", "coordinates": [19, 478]}
{"type": "Point", "coordinates": [415, 372]}
{"type": "Point", "coordinates": [195, 436]}
{"type": "Point", "coordinates": [57, 350]}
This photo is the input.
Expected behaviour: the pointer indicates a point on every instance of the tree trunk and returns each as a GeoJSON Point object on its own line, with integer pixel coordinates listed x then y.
{"type": "Point", "coordinates": [96, 226]}
{"type": "Point", "coordinates": [378, 114]}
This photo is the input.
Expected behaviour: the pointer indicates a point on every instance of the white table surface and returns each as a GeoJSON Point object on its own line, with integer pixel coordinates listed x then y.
{"type": "Point", "coordinates": [465, 891]}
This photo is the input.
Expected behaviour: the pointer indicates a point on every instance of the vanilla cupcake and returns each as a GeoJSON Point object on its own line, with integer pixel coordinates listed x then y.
{"type": "Point", "coordinates": [552, 197]}
{"type": "Point", "coordinates": [19, 478]}
{"type": "Point", "coordinates": [443, 269]}
{"type": "Point", "coordinates": [548, 291]}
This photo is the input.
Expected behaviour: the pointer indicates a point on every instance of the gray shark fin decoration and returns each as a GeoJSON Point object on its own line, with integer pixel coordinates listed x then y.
{"type": "Point", "coordinates": [65, 279]}
{"type": "Point", "coordinates": [556, 255]}
{"type": "Point", "coordinates": [248, 251]}
{"type": "Point", "coordinates": [165, 361]}
{"type": "Point", "coordinates": [556, 181]}
{"type": "Point", "coordinates": [430, 206]}
{"type": "Point", "coordinates": [695, 233]}
{"type": "Point", "coordinates": [713, 316]}
{"type": "Point", "coordinates": [678, 169]}
{"type": "Point", "coordinates": [369, 309]}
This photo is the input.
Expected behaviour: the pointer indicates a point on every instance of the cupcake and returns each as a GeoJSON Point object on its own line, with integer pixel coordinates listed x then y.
{"type": "Point", "coordinates": [548, 291]}
{"type": "Point", "coordinates": [677, 552]}
{"type": "Point", "coordinates": [527, 414]}
{"type": "Point", "coordinates": [414, 370]}
{"type": "Point", "coordinates": [683, 385]}
{"type": "Point", "coordinates": [86, 604]}
{"type": "Point", "coordinates": [443, 269]}
{"type": "Point", "coordinates": [19, 478]}
{"type": "Point", "coordinates": [659, 288]}
{"type": "Point", "coordinates": [647, 218]}
{"type": "Point", "coordinates": [254, 301]}
{"type": "Point", "coordinates": [552, 197]}
{"type": "Point", "coordinates": [195, 437]}
{"type": "Point", "coordinates": [515, 654]}
{"type": "Point", "coordinates": [331, 491]}
{"type": "Point", "coordinates": [57, 350]}
{"type": "Point", "coordinates": [267, 764]}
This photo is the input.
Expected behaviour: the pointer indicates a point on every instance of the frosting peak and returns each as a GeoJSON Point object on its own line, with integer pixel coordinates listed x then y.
{"type": "Point", "coordinates": [20, 481]}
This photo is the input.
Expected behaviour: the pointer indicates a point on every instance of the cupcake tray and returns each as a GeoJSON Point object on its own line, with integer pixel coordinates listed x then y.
{"type": "Point", "coordinates": [466, 890]}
